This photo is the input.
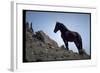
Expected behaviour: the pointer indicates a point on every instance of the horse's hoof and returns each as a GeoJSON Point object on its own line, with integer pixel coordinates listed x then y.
{"type": "Point", "coordinates": [81, 53]}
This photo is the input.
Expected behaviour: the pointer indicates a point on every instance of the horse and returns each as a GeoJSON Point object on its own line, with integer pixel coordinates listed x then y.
{"type": "Point", "coordinates": [69, 36]}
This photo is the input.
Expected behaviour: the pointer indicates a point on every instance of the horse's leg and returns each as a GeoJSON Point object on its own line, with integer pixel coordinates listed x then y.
{"type": "Point", "coordinates": [65, 41]}
{"type": "Point", "coordinates": [66, 44]}
{"type": "Point", "coordinates": [78, 44]}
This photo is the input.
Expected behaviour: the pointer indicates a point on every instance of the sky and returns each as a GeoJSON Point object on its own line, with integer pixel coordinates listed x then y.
{"type": "Point", "coordinates": [45, 21]}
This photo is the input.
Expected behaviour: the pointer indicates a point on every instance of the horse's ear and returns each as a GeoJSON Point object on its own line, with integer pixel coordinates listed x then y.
{"type": "Point", "coordinates": [57, 22]}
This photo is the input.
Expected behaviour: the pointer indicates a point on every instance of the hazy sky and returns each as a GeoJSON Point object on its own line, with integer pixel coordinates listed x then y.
{"type": "Point", "coordinates": [46, 21]}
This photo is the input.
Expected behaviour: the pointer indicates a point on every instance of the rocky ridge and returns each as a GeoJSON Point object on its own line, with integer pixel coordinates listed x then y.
{"type": "Point", "coordinates": [40, 47]}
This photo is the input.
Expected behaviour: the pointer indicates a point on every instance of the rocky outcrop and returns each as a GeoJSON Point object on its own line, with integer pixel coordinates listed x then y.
{"type": "Point", "coordinates": [46, 39]}
{"type": "Point", "coordinates": [40, 47]}
{"type": "Point", "coordinates": [29, 28]}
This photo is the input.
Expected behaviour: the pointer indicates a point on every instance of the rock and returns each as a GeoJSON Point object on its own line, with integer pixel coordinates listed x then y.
{"type": "Point", "coordinates": [62, 46]}
{"type": "Point", "coordinates": [31, 28]}
{"type": "Point", "coordinates": [27, 26]}
{"type": "Point", "coordinates": [46, 39]}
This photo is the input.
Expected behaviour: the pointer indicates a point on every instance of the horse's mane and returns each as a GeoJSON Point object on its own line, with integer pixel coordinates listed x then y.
{"type": "Point", "coordinates": [63, 26]}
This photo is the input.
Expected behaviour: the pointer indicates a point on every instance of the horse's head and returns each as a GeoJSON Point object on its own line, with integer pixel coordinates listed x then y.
{"type": "Point", "coordinates": [57, 27]}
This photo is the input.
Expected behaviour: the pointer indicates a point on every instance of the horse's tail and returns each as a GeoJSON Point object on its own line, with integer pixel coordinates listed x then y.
{"type": "Point", "coordinates": [79, 40]}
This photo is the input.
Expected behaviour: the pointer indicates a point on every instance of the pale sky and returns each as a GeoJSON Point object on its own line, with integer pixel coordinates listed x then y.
{"type": "Point", "coordinates": [45, 21]}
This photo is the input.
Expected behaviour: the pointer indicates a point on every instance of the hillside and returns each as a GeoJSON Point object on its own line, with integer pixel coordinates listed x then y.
{"type": "Point", "coordinates": [40, 47]}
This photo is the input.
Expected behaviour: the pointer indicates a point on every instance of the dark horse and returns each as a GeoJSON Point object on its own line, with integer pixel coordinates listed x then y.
{"type": "Point", "coordinates": [69, 36]}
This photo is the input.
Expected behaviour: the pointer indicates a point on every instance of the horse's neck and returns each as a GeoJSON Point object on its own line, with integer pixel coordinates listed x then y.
{"type": "Point", "coordinates": [63, 30]}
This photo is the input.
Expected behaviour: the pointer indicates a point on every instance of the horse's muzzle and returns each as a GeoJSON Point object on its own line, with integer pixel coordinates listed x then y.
{"type": "Point", "coordinates": [55, 31]}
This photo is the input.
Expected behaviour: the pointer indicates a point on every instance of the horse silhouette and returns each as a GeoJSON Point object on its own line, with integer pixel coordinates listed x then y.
{"type": "Point", "coordinates": [69, 36]}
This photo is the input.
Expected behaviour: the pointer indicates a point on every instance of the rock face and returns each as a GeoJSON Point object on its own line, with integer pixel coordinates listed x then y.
{"type": "Point", "coordinates": [46, 39]}
{"type": "Point", "coordinates": [40, 47]}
